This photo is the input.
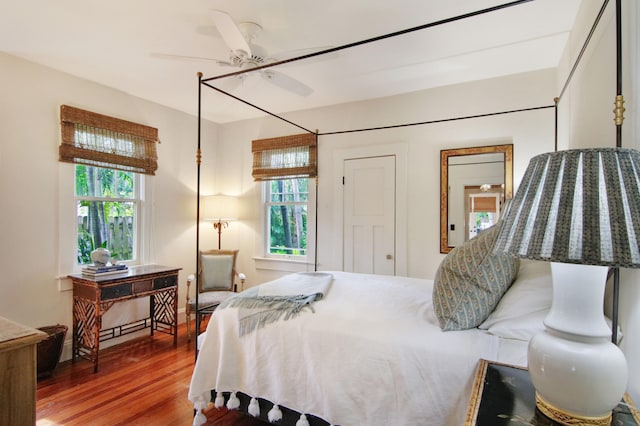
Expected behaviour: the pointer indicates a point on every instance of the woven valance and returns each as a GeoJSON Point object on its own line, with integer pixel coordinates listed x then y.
{"type": "Point", "coordinates": [103, 141]}
{"type": "Point", "coordinates": [285, 157]}
{"type": "Point", "coordinates": [482, 204]}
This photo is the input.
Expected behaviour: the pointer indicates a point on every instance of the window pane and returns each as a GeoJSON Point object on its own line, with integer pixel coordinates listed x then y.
{"type": "Point", "coordinates": [126, 186]}
{"type": "Point", "coordinates": [287, 211]}
{"type": "Point", "coordinates": [110, 221]}
{"type": "Point", "coordinates": [82, 186]}
{"type": "Point", "coordinates": [289, 190]}
{"type": "Point", "coordinates": [104, 183]}
{"type": "Point", "coordinates": [288, 233]}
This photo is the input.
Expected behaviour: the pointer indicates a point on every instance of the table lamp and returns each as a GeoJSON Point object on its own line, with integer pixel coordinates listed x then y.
{"type": "Point", "coordinates": [580, 210]}
{"type": "Point", "coordinates": [220, 210]}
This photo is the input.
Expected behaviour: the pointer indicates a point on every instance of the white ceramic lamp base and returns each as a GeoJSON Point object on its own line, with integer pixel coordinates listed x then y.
{"type": "Point", "coordinates": [577, 372]}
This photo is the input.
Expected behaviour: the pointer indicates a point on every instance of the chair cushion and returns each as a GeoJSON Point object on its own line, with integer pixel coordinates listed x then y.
{"type": "Point", "coordinates": [217, 272]}
{"type": "Point", "coordinates": [209, 298]}
{"type": "Point", "coordinates": [470, 282]}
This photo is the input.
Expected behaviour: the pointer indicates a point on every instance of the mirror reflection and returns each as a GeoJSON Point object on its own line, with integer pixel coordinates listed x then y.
{"type": "Point", "coordinates": [475, 182]}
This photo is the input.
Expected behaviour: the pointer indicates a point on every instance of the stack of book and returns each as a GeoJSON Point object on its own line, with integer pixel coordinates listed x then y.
{"type": "Point", "coordinates": [95, 271]}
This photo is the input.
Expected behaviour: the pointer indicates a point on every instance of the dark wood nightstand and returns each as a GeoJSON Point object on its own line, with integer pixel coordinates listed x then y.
{"type": "Point", "coordinates": [503, 395]}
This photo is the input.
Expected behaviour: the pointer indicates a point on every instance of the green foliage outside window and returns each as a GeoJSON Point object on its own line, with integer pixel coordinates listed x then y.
{"type": "Point", "coordinates": [288, 216]}
{"type": "Point", "coordinates": [106, 210]}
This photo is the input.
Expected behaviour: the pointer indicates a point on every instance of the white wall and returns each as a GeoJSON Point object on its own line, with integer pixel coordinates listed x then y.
{"type": "Point", "coordinates": [586, 120]}
{"type": "Point", "coordinates": [30, 97]}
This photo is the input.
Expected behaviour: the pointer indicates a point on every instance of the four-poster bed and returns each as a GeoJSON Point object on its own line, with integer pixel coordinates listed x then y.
{"type": "Point", "coordinates": [320, 389]}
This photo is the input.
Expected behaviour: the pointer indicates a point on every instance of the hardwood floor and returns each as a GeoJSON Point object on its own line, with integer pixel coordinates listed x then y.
{"type": "Point", "coordinates": [141, 382]}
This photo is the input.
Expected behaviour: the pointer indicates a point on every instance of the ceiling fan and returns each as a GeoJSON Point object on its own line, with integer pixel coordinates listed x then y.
{"type": "Point", "coordinates": [245, 54]}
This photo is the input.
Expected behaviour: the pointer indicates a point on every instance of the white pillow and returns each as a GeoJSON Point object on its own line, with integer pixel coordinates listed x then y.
{"type": "Point", "coordinates": [520, 312]}
{"type": "Point", "coordinates": [523, 308]}
{"type": "Point", "coordinates": [522, 328]}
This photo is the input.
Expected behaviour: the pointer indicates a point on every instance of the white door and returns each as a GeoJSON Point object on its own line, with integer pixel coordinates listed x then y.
{"type": "Point", "coordinates": [370, 215]}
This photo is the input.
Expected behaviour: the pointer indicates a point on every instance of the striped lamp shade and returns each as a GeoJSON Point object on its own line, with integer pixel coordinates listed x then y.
{"type": "Point", "coordinates": [577, 206]}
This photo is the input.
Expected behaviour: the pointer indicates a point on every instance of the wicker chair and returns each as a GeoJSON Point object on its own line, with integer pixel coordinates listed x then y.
{"type": "Point", "coordinates": [218, 280]}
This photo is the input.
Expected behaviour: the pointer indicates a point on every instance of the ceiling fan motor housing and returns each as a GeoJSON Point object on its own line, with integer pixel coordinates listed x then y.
{"type": "Point", "coordinates": [240, 58]}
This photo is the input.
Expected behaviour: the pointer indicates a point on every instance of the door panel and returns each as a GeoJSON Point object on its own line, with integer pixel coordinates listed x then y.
{"type": "Point", "coordinates": [369, 215]}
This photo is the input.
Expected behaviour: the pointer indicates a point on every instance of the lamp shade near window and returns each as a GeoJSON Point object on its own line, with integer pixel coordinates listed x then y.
{"type": "Point", "coordinates": [220, 207]}
{"type": "Point", "coordinates": [580, 210]}
{"type": "Point", "coordinates": [220, 210]}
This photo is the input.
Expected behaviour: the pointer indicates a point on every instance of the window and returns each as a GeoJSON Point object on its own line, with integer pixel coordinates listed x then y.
{"type": "Point", "coordinates": [286, 164]}
{"type": "Point", "coordinates": [107, 206]}
{"type": "Point", "coordinates": [286, 213]}
{"type": "Point", "coordinates": [103, 195]}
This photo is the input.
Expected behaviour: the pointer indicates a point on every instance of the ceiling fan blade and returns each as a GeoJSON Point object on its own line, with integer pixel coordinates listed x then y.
{"type": "Point", "coordinates": [287, 83]}
{"type": "Point", "coordinates": [230, 32]}
{"type": "Point", "coordinates": [208, 30]}
{"type": "Point", "coordinates": [231, 84]}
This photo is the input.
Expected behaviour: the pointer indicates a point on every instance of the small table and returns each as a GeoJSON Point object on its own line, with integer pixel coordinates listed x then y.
{"type": "Point", "coordinates": [503, 394]}
{"type": "Point", "coordinates": [93, 296]}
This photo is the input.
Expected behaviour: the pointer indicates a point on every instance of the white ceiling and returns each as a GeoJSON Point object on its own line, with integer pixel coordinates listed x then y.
{"type": "Point", "coordinates": [121, 43]}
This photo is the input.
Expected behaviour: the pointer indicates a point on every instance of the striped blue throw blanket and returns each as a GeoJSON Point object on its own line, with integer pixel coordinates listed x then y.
{"type": "Point", "coordinates": [283, 298]}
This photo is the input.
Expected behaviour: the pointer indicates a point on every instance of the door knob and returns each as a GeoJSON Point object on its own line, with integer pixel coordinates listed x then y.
{"type": "Point", "coordinates": [389, 257]}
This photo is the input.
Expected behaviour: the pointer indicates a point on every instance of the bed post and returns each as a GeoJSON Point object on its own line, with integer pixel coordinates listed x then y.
{"type": "Point", "coordinates": [556, 100]}
{"type": "Point", "coordinates": [619, 119]}
{"type": "Point", "coordinates": [198, 161]}
{"type": "Point", "coordinates": [315, 250]}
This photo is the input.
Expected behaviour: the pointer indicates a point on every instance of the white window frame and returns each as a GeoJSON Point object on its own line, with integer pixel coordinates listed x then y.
{"type": "Point", "coordinates": [136, 200]}
{"type": "Point", "coordinates": [68, 226]}
{"type": "Point", "coordinates": [286, 262]}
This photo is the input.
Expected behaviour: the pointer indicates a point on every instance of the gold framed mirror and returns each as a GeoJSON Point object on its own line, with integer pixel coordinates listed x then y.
{"type": "Point", "coordinates": [474, 183]}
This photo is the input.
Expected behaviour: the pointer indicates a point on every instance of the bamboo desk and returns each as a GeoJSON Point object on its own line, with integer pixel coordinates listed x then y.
{"type": "Point", "coordinates": [93, 296]}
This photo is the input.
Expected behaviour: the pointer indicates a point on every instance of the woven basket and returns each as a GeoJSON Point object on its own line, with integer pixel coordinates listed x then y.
{"type": "Point", "coordinates": [50, 350]}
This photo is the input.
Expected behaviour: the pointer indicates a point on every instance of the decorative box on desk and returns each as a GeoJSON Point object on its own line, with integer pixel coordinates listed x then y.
{"type": "Point", "coordinates": [503, 395]}
{"type": "Point", "coordinates": [95, 295]}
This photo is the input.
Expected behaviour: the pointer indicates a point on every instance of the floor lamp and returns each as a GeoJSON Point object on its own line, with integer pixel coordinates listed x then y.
{"type": "Point", "coordinates": [220, 210]}
{"type": "Point", "coordinates": [580, 210]}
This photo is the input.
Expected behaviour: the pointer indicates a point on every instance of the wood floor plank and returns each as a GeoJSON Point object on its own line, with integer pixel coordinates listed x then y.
{"type": "Point", "coordinates": [141, 382]}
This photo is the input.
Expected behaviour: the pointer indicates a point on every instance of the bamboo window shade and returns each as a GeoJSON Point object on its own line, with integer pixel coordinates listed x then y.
{"type": "Point", "coordinates": [99, 140]}
{"type": "Point", "coordinates": [285, 157]}
{"type": "Point", "coordinates": [483, 204]}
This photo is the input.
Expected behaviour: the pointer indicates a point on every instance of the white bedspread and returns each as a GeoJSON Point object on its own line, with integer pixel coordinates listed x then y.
{"type": "Point", "coordinates": [371, 354]}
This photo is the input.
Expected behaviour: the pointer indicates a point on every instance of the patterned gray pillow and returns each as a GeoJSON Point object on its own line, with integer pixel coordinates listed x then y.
{"type": "Point", "coordinates": [470, 282]}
